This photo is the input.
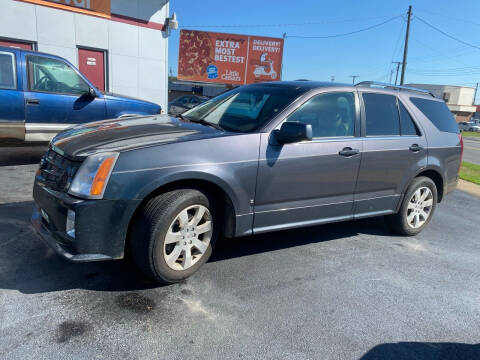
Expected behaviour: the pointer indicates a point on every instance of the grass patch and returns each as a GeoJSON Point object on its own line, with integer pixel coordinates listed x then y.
{"type": "Point", "coordinates": [470, 134]}
{"type": "Point", "coordinates": [470, 172]}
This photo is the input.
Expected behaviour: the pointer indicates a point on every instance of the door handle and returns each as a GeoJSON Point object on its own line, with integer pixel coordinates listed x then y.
{"type": "Point", "coordinates": [416, 148]}
{"type": "Point", "coordinates": [348, 151]}
{"type": "Point", "coordinates": [32, 101]}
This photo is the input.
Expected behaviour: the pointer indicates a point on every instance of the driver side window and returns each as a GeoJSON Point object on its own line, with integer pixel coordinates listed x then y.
{"type": "Point", "coordinates": [54, 76]}
{"type": "Point", "coordinates": [330, 115]}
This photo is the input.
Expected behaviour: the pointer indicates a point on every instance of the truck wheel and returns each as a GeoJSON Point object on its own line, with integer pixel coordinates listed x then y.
{"type": "Point", "coordinates": [173, 235]}
{"type": "Point", "coordinates": [417, 208]}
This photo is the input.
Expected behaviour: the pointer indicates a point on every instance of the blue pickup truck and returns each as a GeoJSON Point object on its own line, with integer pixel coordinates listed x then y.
{"type": "Point", "coordinates": [42, 94]}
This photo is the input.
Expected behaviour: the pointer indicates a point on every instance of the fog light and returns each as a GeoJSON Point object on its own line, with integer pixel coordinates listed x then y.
{"type": "Point", "coordinates": [70, 228]}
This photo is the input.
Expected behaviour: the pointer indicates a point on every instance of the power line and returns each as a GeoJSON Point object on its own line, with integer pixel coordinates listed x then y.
{"type": "Point", "coordinates": [441, 55]}
{"type": "Point", "coordinates": [437, 75]}
{"type": "Point", "coordinates": [466, 68]}
{"type": "Point", "coordinates": [345, 34]}
{"type": "Point", "coordinates": [445, 34]}
{"type": "Point", "coordinates": [463, 21]}
{"type": "Point", "coordinates": [397, 47]}
{"type": "Point", "coordinates": [322, 22]}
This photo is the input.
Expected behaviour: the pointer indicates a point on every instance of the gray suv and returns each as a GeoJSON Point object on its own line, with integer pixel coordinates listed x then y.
{"type": "Point", "coordinates": [259, 158]}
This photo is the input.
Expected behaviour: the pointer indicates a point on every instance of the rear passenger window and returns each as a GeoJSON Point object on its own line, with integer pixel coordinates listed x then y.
{"type": "Point", "coordinates": [330, 114]}
{"type": "Point", "coordinates": [407, 125]}
{"type": "Point", "coordinates": [7, 71]}
{"type": "Point", "coordinates": [381, 114]}
{"type": "Point", "coordinates": [438, 113]}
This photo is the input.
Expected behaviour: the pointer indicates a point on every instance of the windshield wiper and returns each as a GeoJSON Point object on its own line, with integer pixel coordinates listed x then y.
{"type": "Point", "coordinates": [180, 116]}
{"type": "Point", "coordinates": [200, 121]}
{"type": "Point", "coordinates": [203, 122]}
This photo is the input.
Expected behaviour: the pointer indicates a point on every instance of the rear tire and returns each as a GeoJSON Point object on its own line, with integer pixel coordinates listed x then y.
{"type": "Point", "coordinates": [417, 209]}
{"type": "Point", "coordinates": [173, 235]}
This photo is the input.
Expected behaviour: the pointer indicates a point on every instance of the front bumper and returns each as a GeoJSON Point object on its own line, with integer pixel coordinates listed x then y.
{"type": "Point", "coordinates": [100, 225]}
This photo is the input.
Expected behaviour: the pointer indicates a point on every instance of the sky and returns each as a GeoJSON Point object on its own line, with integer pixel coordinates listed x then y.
{"type": "Point", "coordinates": [433, 57]}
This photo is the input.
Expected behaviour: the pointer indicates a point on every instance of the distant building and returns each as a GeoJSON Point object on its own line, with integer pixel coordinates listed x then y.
{"type": "Point", "coordinates": [121, 46]}
{"type": "Point", "coordinates": [459, 99]}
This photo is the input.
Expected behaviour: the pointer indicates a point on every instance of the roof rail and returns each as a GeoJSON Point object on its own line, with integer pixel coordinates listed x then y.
{"type": "Point", "coordinates": [391, 86]}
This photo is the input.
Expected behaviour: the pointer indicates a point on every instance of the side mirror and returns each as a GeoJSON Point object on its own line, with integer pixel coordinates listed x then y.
{"type": "Point", "coordinates": [293, 131]}
{"type": "Point", "coordinates": [92, 93]}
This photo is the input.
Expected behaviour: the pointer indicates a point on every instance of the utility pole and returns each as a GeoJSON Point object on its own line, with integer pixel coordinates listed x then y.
{"type": "Point", "coordinates": [405, 48]}
{"type": "Point", "coordinates": [398, 67]}
{"type": "Point", "coordinates": [475, 95]}
{"type": "Point", "coordinates": [353, 78]}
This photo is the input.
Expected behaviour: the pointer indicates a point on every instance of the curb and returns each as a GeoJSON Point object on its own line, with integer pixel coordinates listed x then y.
{"type": "Point", "coordinates": [468, 187]}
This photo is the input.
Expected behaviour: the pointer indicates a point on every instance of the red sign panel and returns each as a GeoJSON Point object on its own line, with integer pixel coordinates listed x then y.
{"type": "Point", "coordinates": [228, 58]}
{"type": "Point", "coordinates": [15, 44]}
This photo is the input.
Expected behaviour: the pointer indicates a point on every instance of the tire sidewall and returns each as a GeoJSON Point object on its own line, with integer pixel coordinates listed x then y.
{"type": "Point", "coordinates": [159, 232]}
{"type": "Point", "coordinates": [417, 183]}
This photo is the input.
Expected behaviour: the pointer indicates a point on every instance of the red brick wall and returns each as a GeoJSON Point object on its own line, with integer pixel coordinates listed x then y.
{"type": "Point", "coordinates": [462, 116]}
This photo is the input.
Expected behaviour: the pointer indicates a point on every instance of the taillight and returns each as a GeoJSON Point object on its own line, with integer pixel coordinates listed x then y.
{"type": "Point", "coordinates": [460, 138]}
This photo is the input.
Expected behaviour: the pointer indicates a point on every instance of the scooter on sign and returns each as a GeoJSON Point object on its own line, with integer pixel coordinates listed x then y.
{"type": "Point", "coordinates": [266, 69]}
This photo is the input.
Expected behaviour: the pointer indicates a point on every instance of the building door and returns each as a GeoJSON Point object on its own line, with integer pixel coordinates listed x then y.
{"type": "Point", "coordinates": [92, 65]}
{"type": "Point", "coordinates": [17, 44]}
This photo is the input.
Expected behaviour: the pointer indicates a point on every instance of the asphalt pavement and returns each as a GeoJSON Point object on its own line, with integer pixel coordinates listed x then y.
{"type": "Point", "coordinates": [471, 149]}
{"type": "Point", "coordinates": [349, 290]}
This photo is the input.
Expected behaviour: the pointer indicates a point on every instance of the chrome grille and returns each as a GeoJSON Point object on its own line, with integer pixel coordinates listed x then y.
{"type": "Point", "coordinates": [56, 171]}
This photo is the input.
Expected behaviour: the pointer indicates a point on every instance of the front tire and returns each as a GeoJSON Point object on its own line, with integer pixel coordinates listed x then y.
{"type": "Point", "coordinates": [417, 208]}
{"type": "Point", "coordinates": [173, 235]}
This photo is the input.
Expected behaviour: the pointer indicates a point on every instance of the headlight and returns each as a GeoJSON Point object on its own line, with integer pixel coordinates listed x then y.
{"type": "Point", "coordinates": [91, 179]}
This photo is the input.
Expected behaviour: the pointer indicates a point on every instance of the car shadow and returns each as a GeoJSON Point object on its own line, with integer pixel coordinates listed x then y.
{"type": "Point", "coordinates": [255, 244]}
{"type": "Point", "coordinates": [423, 351]}
{"type": "Point", "coordinates": [11, 155]}
{"type": "Point", "coordinates": [30, 266]}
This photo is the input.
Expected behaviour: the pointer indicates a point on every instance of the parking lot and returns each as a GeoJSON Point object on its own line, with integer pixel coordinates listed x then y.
{"type": "Point", "coordinates": [342, 291]}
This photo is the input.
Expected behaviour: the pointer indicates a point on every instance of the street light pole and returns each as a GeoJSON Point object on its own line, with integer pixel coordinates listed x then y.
{"type": "Point", "coordinates": [353, 78]}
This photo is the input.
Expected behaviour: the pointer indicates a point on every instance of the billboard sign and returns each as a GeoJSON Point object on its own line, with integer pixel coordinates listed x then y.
{"type": "Point", "coordinates": [228, 58]}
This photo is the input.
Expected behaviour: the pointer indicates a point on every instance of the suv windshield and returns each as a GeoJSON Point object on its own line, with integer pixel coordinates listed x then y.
{"type": "Point", "coordinates": [244, 109]}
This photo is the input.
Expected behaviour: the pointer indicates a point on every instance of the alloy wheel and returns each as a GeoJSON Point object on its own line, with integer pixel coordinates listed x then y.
{"type": "Point", "coordinates": [188, 237]}
{"type": "Point", "coordinates": [419, 207]}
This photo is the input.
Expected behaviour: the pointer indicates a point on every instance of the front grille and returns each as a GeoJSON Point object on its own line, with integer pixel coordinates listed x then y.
{"type": "Point", "coordinates": [56, 171]}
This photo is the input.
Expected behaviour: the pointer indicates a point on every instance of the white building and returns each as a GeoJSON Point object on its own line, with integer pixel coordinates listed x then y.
{"type": "Point", "coordinates": [459, 99]}
{"type": "Point", "coordinates": [120, 45]}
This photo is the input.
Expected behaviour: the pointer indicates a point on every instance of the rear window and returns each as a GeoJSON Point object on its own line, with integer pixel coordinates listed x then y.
{"type": "Point", "coordinates": [8, 79]}
{"type": "Point", "coordinates": [438, 113]}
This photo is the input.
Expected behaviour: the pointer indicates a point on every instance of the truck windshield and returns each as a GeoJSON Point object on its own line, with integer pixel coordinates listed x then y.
{"type": "Point", "coordinates": [244, 109]}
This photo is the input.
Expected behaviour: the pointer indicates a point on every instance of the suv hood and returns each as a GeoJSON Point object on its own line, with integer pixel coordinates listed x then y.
{"type": "Point", "coordinates": [125, 134]}
{"type": "Point", "coordinates": [120, 97]}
